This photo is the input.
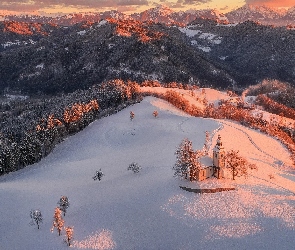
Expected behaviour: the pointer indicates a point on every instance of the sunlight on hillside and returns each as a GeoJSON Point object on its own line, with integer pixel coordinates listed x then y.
{"type": "Point", "coordinates": [233, 230]}
{"type": "Point", "coordinates": [101, 240]}
{"type": "Point", "coordinates": [242, 210]}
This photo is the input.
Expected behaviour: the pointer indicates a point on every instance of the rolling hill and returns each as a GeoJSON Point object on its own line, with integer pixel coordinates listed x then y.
{"type": "Point", "coordinates": [148, 210]}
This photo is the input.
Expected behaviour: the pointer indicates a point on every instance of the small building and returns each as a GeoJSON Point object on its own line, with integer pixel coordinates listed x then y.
{"type": "Point", "coordinates": [212, 167]}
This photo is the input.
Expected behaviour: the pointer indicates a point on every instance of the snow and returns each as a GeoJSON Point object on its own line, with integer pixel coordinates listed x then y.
{"type": "Point", "coordinates": [82, 32]}
{"type": "Point", "coordinates": [40, 66]}
{"type": "Point", "coordinates": [189, 32]}
{"type": "Point", "coordinates": [17, 42]}
{"type": "Point", "coordinates": [148, 210]}
{"type": "Point", "coordinates": [16, 97]}
{"type": "Point", "coordinates": [209, 36]}
{"type": "Point", "coordinates": [101, 23]}
{"type": "Point", "coordinates": [205, 49]}
{"type": "Point", "coordinates": [223, 57]}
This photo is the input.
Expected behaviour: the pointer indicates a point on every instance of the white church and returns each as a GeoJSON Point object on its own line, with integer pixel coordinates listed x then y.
{"type": "Point", "coordinates": [212, 167]}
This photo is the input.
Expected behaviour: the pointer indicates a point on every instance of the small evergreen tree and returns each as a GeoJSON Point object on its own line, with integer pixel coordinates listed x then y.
{"type": "Point", "coordinates": [58, 221]}
{"type": "Point", "coordinates": [36, 217]}
{"type": "Point", "coordinates": [134, 167]}
{"type": "Point", "coordinates": [98, 175]}
{"type": "Point", "coordinates": [63, 204]}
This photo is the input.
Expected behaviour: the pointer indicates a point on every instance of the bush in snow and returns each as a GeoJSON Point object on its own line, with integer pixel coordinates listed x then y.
{"type": "Point", "coordinates": [131, 115]}
{"type": "Point", "coordinates": [36, 217]}
{"type": "Point", "coordinates": [98, 175]}
{"type": "Point", "coordinates": [155, 113]}
{"type": "Point", "coordinates": [58, 221]}
{"type": "Point", "coordinates": [134, 167]}
{"type": "Point", "coordinates": [63, 204]}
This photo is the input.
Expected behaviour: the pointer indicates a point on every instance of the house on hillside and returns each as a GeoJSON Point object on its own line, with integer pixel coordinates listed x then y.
{"type": "Point", "coordinates": [212, 167]}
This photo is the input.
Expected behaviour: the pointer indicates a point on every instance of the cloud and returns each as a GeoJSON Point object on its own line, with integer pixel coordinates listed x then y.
{"type": "Point", "coordinates": [132, 2]}
{"type": "Point", "coordinates": [193, 2]}
{"type": "Point", "coordinates": [33, 5]}
{"type": "Point", "coordinates": [272, 3]}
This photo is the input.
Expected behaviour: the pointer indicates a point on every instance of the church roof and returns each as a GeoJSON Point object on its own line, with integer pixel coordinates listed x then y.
{"type": "Point", "coordinates": [206, 161]}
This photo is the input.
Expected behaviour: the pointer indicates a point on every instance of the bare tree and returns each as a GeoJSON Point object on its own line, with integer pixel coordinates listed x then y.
{"type": "Point", "coordinates": [69, 235]}
{"type": "Point", "coordinates": [185, 158]}
{"type": "Point", "coordinates": [237, 165]}
{"type": "Point", "coordinates": [58, 221]}
{"type": "Point", "coordinates": [195, 166]}
{"type": "Point", "coordinates": [98, 175]}
{"type": "Point", "coordinates": [155, 113]}
{"type": "Point", "coordinates": [135, 167]}
{"type": "Point", "coordinates": [63, 204]}
{"type": "Point", "coordinates": [36, 217]}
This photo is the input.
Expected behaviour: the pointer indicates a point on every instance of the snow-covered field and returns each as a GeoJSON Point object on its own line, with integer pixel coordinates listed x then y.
{"type": "Point", "coordinates": [148, 210]}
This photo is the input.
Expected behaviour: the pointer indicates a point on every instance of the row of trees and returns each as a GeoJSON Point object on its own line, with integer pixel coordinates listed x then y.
{"type": "Point", "coordinates": [31, 128]}
{"type": "Point", "coordinates": [273, 107]}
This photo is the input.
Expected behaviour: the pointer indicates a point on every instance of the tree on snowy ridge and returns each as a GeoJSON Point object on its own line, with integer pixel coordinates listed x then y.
{"type": "Point", "coordinates": [135, 167]}
{"type": "Point", "coordinates": [237, 165]}
{"type": "Point", "coordinates": [195, 167]}
{"type": "Point", "coordinates": [98, 175]}
{"type": "Point", "coordinates": [58, 221]}
{"type": "Point", "coordinates": [63, 204]}
{"type": "Point", "coordinates": [36, 217]}
{"type": "Point", "coordinates": [69, 235]}
{"type": "Point", "coordinates": [185, 158]}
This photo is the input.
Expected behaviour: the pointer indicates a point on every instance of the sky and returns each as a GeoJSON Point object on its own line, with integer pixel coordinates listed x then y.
{"type": "Point", "coordinates": [127, 6]}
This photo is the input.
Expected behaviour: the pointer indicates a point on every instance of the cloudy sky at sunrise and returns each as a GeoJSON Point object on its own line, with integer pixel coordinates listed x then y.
{"type": "Point", "coordinates": [128, 6]}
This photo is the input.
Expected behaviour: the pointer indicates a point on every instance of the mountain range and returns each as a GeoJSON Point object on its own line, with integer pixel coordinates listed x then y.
{"type": "Point", "coordinates": [46, 57]}
{"type": "Point", "coordinates": [162, 14]}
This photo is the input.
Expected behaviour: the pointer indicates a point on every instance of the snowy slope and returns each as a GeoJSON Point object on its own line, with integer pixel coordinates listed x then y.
{"type": "Point", "coordinates": [148, 210]}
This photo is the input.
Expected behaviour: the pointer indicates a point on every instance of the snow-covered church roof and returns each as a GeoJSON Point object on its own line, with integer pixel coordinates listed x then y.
{"type": "Point", "coordinates": [206, 161]}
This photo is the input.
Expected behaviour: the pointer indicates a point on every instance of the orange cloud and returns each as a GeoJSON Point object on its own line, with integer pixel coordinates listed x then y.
{"type": "Point", "coordinates": [272, 3]}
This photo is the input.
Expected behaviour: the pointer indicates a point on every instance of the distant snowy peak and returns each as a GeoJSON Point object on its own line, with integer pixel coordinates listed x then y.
{"type": "Point", "coordinates": [168, 16]}
{"type": "Point", "coordinates": [163, 14]}
{"type": "Point", "coordinates": [262, 14]}
{"type": "Point", "coordinates": [291, 13]}
{"type": "Point", "coordinates": [158, 14]}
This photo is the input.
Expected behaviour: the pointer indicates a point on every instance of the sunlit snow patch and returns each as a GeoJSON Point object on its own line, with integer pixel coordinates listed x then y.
{"type": "Point", "coordinates": [101, 240]}
{"type": "Point", "coordinates": [81, 33]}
{"type": "Point", "coordinates": [189, 32]}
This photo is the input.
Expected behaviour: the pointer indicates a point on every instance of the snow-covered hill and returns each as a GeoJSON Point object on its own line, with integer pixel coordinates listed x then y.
{"type": "Point", "coordinates": [148, 210]}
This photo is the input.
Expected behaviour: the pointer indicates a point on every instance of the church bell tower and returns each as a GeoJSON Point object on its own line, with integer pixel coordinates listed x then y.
{"type": "Point", "coordinates": [218, 157]}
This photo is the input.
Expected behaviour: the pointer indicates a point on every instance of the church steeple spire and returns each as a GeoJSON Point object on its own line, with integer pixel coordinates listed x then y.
{"type": "Point", "coordinates": [219, 143]}
{"type": "Point", "coordinates": [218, 154]}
